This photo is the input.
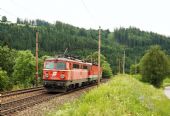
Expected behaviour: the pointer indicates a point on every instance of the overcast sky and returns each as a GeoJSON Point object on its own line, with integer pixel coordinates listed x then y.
{"type": "Point", "coordinates": [148, 15]}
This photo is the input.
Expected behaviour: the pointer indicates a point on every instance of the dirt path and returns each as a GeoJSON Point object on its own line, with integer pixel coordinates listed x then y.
{"type": "Point", "coordinates": [167, 91]}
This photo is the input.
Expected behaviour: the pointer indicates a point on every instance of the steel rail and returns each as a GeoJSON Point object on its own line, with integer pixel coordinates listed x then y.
{"type": "Point", "coordinates": [22, 91]}
{"type": "Point", "coordinates": [21, 104]}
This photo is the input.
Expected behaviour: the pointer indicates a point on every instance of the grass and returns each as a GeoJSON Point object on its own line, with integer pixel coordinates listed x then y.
{"type": "Point", "coordinates": [122, 96]}
{"type": "Point", "coordinates": [166, 82]}
{"type": "Point", "coordinates": [137, 76]}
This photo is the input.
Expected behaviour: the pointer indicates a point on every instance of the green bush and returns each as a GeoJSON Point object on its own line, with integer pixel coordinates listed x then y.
{"type": "Point", "coordinates": [138, 77]}
{"type": "Point", "coordinates": [166, 82]}
{"type": "Point", "coordinates": [107, 71]}
{"type": "Point", "coordinates": [134, 69]}
{"type": "Point", "coordinates": [7, 59]}
{"type": "Point", "coordinates": [4, 81]}
{"type": "Point", "coordinates": [154, 66]}
{"type": "Point", "coordinates": [24, 69]}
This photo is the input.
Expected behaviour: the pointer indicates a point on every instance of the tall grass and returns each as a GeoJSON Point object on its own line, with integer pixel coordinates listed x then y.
{"type": "Point", "coordinates": [122, 96]}
{"type": "Point", "coordinates": [166, 82]}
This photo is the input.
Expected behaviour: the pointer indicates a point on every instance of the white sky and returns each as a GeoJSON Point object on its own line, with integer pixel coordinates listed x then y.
{"type": "Point", "coordinates": [148, 15]}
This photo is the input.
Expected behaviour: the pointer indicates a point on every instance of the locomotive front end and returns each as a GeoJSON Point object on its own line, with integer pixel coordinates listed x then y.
{"type": "Point", "coordinates": [55, 75]}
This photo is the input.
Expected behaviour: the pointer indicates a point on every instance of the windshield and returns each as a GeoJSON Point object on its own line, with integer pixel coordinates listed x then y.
{"type": "Point", "coordinates": [49, 65]}
{"type": "Point", "coordinates": [55, 65]}
{"type": "Point", "coordinates": [60, 66]}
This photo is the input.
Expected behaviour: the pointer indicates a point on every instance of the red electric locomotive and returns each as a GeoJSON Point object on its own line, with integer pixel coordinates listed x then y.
{"type": "Point", "coordinates": [62, 74]}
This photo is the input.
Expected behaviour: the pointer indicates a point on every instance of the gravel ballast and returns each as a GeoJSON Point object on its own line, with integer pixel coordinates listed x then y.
{"type": "Point", "coordinates": [43, 108]}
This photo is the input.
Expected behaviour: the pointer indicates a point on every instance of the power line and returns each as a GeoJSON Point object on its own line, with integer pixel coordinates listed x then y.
{"type": "Point", "coordinates": [90, 14]}
{"type": "Point", "coordinates": [88, 11]}
{"type": "Point", "coordinates": [87, 8]}
{"type": "Point", "coordinates": [9, 13]}
{"type": "Point", "coordinates": [17, 5]}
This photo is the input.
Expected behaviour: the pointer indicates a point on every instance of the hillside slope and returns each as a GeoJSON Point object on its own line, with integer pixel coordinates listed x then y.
{"type": "Point", "coordinates": [122, 96]}
{"type": "Point", "coordinates": [55, 38]}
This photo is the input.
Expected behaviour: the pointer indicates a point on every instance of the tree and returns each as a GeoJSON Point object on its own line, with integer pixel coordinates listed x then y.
{"type": "Point", "coordinates": [154, 66]}
{"type": "Point", "coordinates": [24, 69]}
{"type": "Point", "coordinates": [55, 38]}
{"type": "Point", "coordinates": [4, 80]}
{"type": "Point", "coordinates": [134, 69]}
{"type": "Point", "coordinates": [45, 57]}
{"type": "Point", "coordinates": [7, 59]}
{"type": "Point", "coordinates": [4, 19]}
{"type": "Point", "coordinates": [106, 69]}
{"type": "Point", "coordinates": [19, 21]}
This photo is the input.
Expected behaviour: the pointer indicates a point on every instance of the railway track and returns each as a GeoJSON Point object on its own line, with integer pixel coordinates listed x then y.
{"type": "Point", "coordinates": [13, 106]}
{"type": "Point", "coordinates": [17, 92]}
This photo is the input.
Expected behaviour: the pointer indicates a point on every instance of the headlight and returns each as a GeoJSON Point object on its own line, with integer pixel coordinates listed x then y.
{"type": "Point", "coordinates": [62, 76]}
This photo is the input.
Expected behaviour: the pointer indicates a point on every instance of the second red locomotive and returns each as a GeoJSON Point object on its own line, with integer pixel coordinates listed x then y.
{"type": "Point", "coordinates": [62, 74]}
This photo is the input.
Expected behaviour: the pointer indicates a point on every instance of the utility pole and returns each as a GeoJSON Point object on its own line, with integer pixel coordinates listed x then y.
{"type": "Point", "coordinates": [91, 58]}
{"type": "Point", "coordinates": [124, 63]}
{"type": "Point", "coordinates": [135, 66]}
{"type": "Point", "coordinates": [36, 59]}
{"type": "Point", "coordinates": [119, 65]}
{"type": "Point", "coordinates": [99, 74]}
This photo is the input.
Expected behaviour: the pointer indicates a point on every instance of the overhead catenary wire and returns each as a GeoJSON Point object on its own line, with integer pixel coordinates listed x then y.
{"type": "Point", "coordinates": [17, 5]}
{"type": "Point", "coordinates": [90, 14]}
{"type": "Point", "coordinates": [87, 8]}
{"type": "Point", "coordinates": [99, 40]}
{"type": "Point", "coordinates": [7, 12]}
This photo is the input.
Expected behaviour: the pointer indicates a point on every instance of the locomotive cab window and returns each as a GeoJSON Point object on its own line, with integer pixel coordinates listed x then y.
{"type": "Point", "coordinates": [85, 67]}
{"type": "Point", "coordinates": [49, 65]}
{"type": "Point", "coordinates": [60, 66]}
{"type": "Point", "coordinates": [76, 66]}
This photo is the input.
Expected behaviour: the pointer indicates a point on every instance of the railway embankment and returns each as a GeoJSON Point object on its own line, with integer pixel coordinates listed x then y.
{"type": "Point", "coordinates": [123, 95]}
{"type": "Point", "coordinates": [37, 101]}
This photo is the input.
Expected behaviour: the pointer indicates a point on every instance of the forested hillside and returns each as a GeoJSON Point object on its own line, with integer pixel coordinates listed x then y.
{"type": "Point", "coordinates": [55, 38]}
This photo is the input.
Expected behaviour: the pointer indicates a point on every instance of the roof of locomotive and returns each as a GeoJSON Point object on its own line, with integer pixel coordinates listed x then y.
{"type": "Point", "coordinates": [69, 60]}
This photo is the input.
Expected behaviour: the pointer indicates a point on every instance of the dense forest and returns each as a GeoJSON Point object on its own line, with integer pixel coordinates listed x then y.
{"type": "Point", "coordinates": [55, 38]}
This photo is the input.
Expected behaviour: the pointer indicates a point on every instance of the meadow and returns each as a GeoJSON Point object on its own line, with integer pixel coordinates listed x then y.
{"type": "Point", "coordinates": [122, 96]}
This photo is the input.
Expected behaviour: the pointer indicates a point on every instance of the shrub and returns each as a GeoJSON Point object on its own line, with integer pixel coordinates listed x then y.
{"type": "Point", "coordinates": [107, 71]}
{"type": "Point", "coordinates": [134, 69]}
{"type": "Point", "coordinates": [4, 81]}
{"type": "Point", "coordinates": [154, 66]}
{"type": "Point", "coordinates": [24, 69]}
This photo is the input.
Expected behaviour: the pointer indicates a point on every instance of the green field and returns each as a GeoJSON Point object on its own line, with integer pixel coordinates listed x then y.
{"type": "Point", "coordinates": [122, 96]}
